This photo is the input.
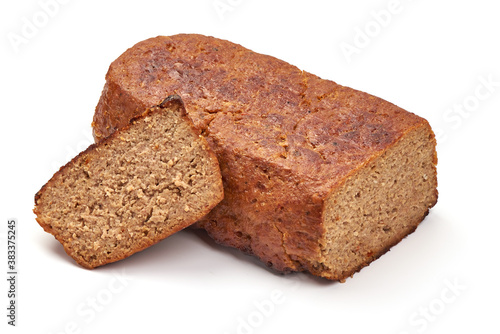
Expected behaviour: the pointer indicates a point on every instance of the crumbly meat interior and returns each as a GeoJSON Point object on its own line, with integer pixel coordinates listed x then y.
{"type": "Point", "coordinates": [381, 204]}
{"type": "Point", "coordinates": [122, 196]}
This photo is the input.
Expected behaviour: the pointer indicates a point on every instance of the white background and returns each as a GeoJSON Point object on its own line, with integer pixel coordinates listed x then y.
{"type": "Point", "coordinates": [429, 57]}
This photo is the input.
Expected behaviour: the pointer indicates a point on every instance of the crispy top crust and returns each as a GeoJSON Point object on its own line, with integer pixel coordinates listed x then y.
{"type": "Point", "coordinates": [253, 104]}
{"type": "Point", "coordinates": [285, 139]}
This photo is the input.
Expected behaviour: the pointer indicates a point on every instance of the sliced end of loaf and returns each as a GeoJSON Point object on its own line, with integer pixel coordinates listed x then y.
{"type": "Point", "coordinates": [143, 183]}
{"type": "Point", "coordinates": [380, 204]}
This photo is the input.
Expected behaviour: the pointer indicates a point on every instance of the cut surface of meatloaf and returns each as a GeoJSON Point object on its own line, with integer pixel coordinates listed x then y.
{"type": "Point", "coordinates": [143, 183]}
{"type": "Point", "coordinates": [317, 177]}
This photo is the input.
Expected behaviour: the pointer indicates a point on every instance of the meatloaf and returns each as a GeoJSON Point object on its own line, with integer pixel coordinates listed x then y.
{"type": "Point", "coordinates": [146, 181]}
{"type": "Point", "coordinates": [317, 176]}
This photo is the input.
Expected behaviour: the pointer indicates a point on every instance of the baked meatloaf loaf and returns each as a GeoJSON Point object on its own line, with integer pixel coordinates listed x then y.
{"type": "Point", "coordinates": [317, 177]}
{"type": "Point", "coordinates": [146, 181]}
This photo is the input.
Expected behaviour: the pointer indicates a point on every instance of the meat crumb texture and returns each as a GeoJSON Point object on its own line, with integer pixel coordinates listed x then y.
{"type": "Point", "coordinates": [132, 189]}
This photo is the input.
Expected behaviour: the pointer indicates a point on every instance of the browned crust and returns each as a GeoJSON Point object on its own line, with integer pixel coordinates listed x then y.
{"type": "Point", "coordinates": [271, 126]}
{"type": "Point", "coordinates": [173, 102]}
{"type": "Point", "coordinates": [289, 264]}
